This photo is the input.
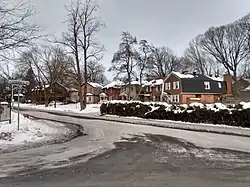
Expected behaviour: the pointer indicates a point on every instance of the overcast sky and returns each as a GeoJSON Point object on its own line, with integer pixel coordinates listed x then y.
{"type": "Point", "coordinates": [171, 23]}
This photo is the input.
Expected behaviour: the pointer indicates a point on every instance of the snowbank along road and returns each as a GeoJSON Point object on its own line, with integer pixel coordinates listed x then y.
{"type": "Point", "coordinates": [143, 153]}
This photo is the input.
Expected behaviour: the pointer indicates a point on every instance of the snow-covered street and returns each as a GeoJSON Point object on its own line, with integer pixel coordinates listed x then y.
{"type": "Point", "coordinates": [100, 138]}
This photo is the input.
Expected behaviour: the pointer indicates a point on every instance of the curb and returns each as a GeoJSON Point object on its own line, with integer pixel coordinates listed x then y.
{"type": "Point", "coordinates": [243, 132]}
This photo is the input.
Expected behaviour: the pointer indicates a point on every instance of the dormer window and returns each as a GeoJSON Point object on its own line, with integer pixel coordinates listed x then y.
{"type": "Point", "coordinates": [207, 85]}
{"type": "Point", "coordinates": [219, 85]}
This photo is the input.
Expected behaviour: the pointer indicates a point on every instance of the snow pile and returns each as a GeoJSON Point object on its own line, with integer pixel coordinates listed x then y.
{"type": "Point", "coordinates": [90, 108]}
{"type": "Point", "coordinates": [31, 131]}
{"type": "Point", "coordinates": [245, 105]}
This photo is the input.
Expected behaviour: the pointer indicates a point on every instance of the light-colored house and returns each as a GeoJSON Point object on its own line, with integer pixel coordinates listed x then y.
{"type": "Point", "coordinates": [93, 92]}
{"type": "Point", "coordinates": [130, 91]}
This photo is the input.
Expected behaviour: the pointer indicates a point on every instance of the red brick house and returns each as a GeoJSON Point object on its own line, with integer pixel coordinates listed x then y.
{"type": "Point", "coordinates": [152, 90]}
{"type": "Point", "coordinates": [187, 88]}
{"type": "Point", "coordinates": [93, 92]}
{"type": "Point", "coordinates": [111, 91]}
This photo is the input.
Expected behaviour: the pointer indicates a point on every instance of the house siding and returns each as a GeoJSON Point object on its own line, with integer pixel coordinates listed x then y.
{"type": "Point", "coordinates": [204, 98]}
{"type": "Point", "coordinates": [95, 91]}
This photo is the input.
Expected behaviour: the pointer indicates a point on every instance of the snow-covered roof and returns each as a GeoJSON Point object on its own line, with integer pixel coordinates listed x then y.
{"type": "Point", "coordinates": [248, 80]}
{"type": "Point", "coordinates": [89, 94]}
{"type": "Point", "coordinates": [103, 95]}
{"type": "Point", "coordinates": [158, 82]}
{"type": "Point", "coordinates": [20, 95]}
{"type": "Point", "coordinates": [73, 90]}
{"type": "Point", "coordinates": [247, 89]}
{"type": "Point", "coordinates": [135, 83]}
{"type": "Point", "coordinates": [114, 84]}
{"type": "Point", "coordinates": [3, 103]}
{"type": "Point", "coordinates": [123, 94]}
{"type": "Point", "coordinates": [183, 76]}
{"type": "Point", "coordinates": [95, 85]}
{"type": "Point", "coordinates": [153, 82]}
{"type": "Point", "coordinates": [219, 79]}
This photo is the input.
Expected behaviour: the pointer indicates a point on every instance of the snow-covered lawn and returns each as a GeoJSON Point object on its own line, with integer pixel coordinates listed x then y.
{"type": "Point", "coordinates": [31, 131]}
{"type": "Point", "coordinates": [90, 108]}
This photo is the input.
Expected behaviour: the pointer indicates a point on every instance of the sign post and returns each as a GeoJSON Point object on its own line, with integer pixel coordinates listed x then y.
{"type": "Point", "coordinates": [19, 84]}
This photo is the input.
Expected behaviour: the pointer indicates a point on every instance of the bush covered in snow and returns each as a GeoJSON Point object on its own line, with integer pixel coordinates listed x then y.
{"type": "Point", "coordinates": [217, 113]}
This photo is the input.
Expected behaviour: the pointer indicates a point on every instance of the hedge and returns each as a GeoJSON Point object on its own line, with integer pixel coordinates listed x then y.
{"type": "Point", "coordinates": [232, 116]}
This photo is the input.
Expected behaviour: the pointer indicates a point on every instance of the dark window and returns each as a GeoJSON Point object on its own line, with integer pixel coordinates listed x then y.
{"type": "Point", "coordinates": [90, 90]}
{"type": "Point", "coordinates": [198, 95]}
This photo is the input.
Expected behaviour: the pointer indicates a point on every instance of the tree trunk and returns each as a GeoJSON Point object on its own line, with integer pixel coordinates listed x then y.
{"type": "Point", "coordinates": [85, 78]}
{"type": "Point", "coordinates": [236, 87]}
{"type": "Point", "coordinates": [79, 80]}
{"type": "Point", "coordinates": [79, 76]}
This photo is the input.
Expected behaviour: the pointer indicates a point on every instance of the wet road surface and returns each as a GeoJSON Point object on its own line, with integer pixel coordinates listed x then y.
{"type": "Point", "coordinates": [151, 160]}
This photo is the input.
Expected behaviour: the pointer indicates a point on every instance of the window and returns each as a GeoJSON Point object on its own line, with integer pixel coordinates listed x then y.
{"type": "Point", "coordinates": [89, 99]}
{"type": "Point", "coordinates": [158, 98]}
{"type": "Point", "coordinates": [148, 89]}
{"type": "Point", "coordinates": [90, 90]}
{"type": "Point", "coordinates": [176, 85]}
{"type": "Point", "coordinates": [175, 98]}
{"type": "Point", "coordinates": [198, 95]}
{"type": "Point", "coordinates": [158, 88]}
{"type": "Point", "coordinates": [110, 98]}
{"type": "Point", "coordinates": [207, 85]}
{"type": "Point", "coordinates": [219, 85]}
{"type": "Point", "coordinates": [168, 86]}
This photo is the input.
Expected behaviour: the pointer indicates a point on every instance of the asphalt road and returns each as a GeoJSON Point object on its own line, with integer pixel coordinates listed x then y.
{"type": "Point", "coordinates": [142, 156]}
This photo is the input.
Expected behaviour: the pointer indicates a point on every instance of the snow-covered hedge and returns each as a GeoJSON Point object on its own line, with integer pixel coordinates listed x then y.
{"type": "Point", "coordinates": [233, 115]}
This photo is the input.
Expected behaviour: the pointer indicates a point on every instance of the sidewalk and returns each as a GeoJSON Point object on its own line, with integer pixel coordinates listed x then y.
{"type": "Point", "coordinates": [210, 128]}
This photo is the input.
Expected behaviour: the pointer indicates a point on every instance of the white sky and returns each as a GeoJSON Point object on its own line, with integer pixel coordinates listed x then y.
{"type": "Point", "coordinates": [171, 23]}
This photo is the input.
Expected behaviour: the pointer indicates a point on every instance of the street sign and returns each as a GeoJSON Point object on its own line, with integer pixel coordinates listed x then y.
{"type": "Point", "coordinates": [19, 82]}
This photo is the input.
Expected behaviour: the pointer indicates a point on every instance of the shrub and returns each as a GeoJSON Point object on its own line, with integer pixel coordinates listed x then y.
{"type": "Point", "coordinates": [233, 116]}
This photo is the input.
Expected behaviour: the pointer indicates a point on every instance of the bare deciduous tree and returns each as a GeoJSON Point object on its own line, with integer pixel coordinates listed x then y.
{"type": "Point", "coordinates": [16, 31]}
{"type": "Point", "coordinates": [51, 64]}
{"type": "Point", "coordinates": [90, 25]}
{"type": "Point", "coordinates": [163, 61]}
{"type": "Point", "coordinates": [83, 26]}
{"type": "Point", "coordinates": [143, 58]}
{"type": "Point", "coordinates": [96, 72]}
{"type": "Point", "coordinates": [198, 59]}
{"type": "Point", "coordinates": [227, 45]}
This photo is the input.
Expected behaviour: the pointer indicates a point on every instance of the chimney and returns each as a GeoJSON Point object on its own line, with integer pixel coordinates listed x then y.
{"type": "Point", "coordinates": [229, 81]}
